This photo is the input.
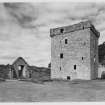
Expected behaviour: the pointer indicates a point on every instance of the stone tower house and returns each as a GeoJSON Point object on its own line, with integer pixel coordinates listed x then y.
{"type": "Point", "coordinates": [74, 52]}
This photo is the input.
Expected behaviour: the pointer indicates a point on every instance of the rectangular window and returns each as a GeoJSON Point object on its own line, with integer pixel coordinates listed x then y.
{"type": "Point", "coordinates": [82, 58]}
{"type": "Point", "coordinates": [74, 67]}
{"type": "Point", "coordinates": [66, 41]}
{"type": "Point", "coordinates": [61, 55]}
{"type": "Point", "coordinates": [60, 68]}
{"type": "Point", "coordinates": [61, 30]}
{"type": "Point", "coordinates": [68, 77]}
{"type": "Point", "coordinates": [94, 58]}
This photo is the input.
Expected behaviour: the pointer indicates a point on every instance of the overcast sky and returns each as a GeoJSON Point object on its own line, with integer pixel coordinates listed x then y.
{"type": "Point", "coordinates": [24, 27]}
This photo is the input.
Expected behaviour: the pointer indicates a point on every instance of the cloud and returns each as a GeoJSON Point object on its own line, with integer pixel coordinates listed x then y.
{"type": "Point", "coordinates": [25, 27]}
{"type": "Point", "coordinates": [23, 13]}
{"type": "Point", "coordinates": [61, 14]}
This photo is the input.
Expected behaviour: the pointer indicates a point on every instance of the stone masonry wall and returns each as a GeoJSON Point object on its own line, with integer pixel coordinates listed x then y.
{"type": "Point", "coordinates": [94, 55]}
{"type": "Point", "coordinates": [78, 54]}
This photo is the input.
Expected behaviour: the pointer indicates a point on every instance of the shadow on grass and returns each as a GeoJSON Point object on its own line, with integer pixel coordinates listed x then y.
{"type": "Point", "coordinates": [32, 81]}
{"type": "Point", "coordinates": [75, 81]}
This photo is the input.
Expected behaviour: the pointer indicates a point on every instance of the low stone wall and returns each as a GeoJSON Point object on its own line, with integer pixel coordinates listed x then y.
{"type": "Point", "coordinates": [43, 74]}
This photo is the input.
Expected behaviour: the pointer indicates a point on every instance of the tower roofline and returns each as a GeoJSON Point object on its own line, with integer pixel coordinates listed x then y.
{"type": "Point", "coordinates": [72, 28]}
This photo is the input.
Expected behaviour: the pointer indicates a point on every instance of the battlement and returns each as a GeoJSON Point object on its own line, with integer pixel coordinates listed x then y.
{"type": "Point", "coordinates": [72, 28]}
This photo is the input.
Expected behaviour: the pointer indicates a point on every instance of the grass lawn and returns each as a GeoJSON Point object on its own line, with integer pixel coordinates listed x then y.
{"type": "Point", "coordinates": [21, 91]}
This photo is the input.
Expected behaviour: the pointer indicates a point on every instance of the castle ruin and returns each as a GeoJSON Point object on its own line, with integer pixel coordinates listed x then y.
{"type": "Point", "coordinates": [74, 52]}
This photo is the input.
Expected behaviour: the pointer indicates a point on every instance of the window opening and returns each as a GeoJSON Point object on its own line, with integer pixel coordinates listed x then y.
{"type": "Point", "coordinates": [74, 67]}
{"type": "Point", "coordinates": [62, 30]}
{"type": "Point", "coordinates": [60, 68]}
{"type": "Point", "coordinates": [66, 41]}
{"type": "Point", "coordinates": [82, 58]}
{"type": "Point", "coordinates": [68, 77]}
{"type": "Point", "coordinates": [61, 55]}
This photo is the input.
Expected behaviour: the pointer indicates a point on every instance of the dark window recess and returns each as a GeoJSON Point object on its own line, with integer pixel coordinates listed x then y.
{"type": "Point", "coordinates": [60, 68]}
{"type": "Point", "coordinates": [66, 41]}
{"type": "Point", "coordinates": [61, 55]}
{"type": "Point", "coordinates": [82, 58]}
{"type": "Point", "coordinates": [62, 30]}
{"type": "Point", "coordinates": [84, 43]}
{"type": "Point", "coordinates": [68, 77]}
{"type": "Point", "coordinates": [74, 67]}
